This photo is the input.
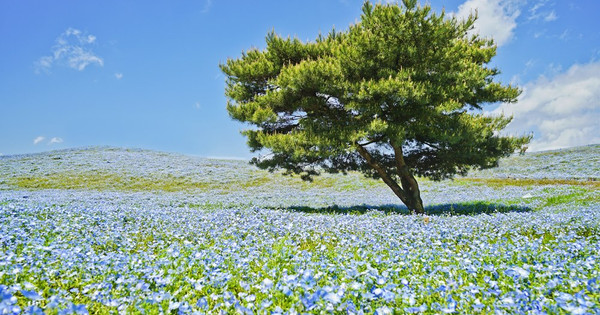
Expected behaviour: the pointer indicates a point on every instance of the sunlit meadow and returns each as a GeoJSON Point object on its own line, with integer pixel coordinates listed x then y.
{"type": "Point", "coordinates": [110, 230]}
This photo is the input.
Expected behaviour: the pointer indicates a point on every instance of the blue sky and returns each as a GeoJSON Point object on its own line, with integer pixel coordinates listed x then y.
{"type": "Point", "coordinates": [145, 74]}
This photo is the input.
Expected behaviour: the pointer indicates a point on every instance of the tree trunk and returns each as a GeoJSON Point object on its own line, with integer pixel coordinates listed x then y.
{"type": "Point", "coordinates": [409, 192]}
{"type": "Point", "coordinates": [408, 181]}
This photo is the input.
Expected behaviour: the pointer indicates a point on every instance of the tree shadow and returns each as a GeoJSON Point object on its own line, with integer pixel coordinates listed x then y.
{"type": "Point", "coordinates": [450, 209]}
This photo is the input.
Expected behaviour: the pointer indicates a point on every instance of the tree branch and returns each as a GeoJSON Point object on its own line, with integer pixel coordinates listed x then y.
{"type": "Point", "coordinates": [370, 142]}
{"type": "Point", "coordinates": [383, 174]}
{"type": "Point", "coordinates": [433, 145]}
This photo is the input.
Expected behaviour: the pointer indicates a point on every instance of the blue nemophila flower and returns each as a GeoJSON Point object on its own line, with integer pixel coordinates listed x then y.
{"type": "Point", "coordinates": [449, 308]}
{"type": "Point", "coordinates": [266, 284]}
{"type": "Point", "coordinates": [384, 310]}
{"type": "Point", "coordinates": [34, 310]}
{"type": "Point", "coordinates": [418, 309]}
{"type": "Point", "coordinates": [517, 272]}
{"type": "Point", "coordinates": [250, 298]}
{"type": "Point", "coordinates": [378, 292]}
{"type": "Point", "coordinates": [202, 303]}
{"type": "Point", "coordinates": [8, 302]}
{"type": "Point", "coordinates": [332, 298]}
{"type": "Point", "coordinates": [574, 309]}
{"type": "Point", "coordinates": [74, 309]}
{"type": "Point", "coordinates": [266, 303]}
{"type": "Point", "coordinates": [149, 251]}
{"type": "Point", "coordinates": [173, 305]}
{"type": "Point", "coordinates": [32, 295]}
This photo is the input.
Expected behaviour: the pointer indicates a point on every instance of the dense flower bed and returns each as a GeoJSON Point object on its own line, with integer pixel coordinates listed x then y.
{"type": "Point", "coordinates": [266, 249]}
{"type": "Point", "coordinates": [111, 253]}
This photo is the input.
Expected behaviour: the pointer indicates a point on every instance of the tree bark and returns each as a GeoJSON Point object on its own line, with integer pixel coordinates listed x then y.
{"type": "Point", "coordinates": [406, 196]}
{"type": "Point", "coordinates": [408, 181]}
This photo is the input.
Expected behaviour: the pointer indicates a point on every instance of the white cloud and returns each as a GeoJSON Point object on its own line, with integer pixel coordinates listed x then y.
{"type": "Point", "coordinates": [44, 62]}
{"type": "Point", "coordinates": [563, 111]}
{"type": "Point", "coordinates": [38, 140]}
{"type": "Point", "coordinates": [72, 49]}
{"type": "Point", "coordinates": [119, 76]}
{"type": "Point", "coordinates": [553, 69]}
{"type": "Point", "coordinates": [596, 54]}
{"type": "Point", "coordinates": [539, 34]}
{"type": "Point", "coordinates": [550, 16]}
{"type": "Point", "coordinates": [539, 12]}
{"type": "Point", "coordinates": [198, 105]}
{"type": "Point", "coordinates": [533, 11]}
{"type": "Point", "coordinates": [207, 5]}
{"type": "Point", "coordinates": [564, 35]}
{"type": "Point", "coordinates": [496, 18]}
{"type": "Point", "coordinates": [516, 79]}
{"type": "Point", "coordinates": [55, 140]}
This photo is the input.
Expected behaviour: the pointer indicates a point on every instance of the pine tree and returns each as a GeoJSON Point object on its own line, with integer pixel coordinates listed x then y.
{"type": "Point", "coordinates": [397, 95]}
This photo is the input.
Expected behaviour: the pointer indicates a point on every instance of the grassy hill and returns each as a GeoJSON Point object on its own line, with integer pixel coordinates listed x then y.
{"type": "Point", "coordinates": [107, 230]}
{"type": "Point", "coordinates": [564, 175]}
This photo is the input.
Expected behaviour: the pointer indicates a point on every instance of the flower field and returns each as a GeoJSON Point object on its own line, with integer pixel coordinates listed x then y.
{"type": "Point", "coordinates": [110, 230]}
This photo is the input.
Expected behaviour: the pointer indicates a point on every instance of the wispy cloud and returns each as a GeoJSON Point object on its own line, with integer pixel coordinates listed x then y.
{"type": "Point", "coordinates": [119, 76]}
{"type": "Point", "coordinates": [198, 105]}
{"type": "Point", "coordinates": [564, 35]}
{"type": "Point", "coordinates": [533, 11]}
{"type": "Point", "coordinates": [563, 110]}
{"type": "Point", "coordinates": [540, 11]}
{"type": "Point", "coordinates": [596, 54]}
{"type": "Point", "coordinates": [207, 5]}
{"type": "Point", "coordinates": [550, 16]}
{"type": "Point", "coordinates": [55, 140]}
{"type": "Point", "coordinates": [496, 18]}
{"type": "Point", "coordinates": [516, 79]}
{"type": "Point", "coordinates": [38, 139]}
{"type": "Point", "coordinates": [73, 49]}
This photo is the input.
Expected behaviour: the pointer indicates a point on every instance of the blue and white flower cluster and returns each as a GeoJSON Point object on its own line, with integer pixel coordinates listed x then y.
{"type": "Point", "coordinates": [84, 256]}
{"type": "Point", "coordinates": [268, 250]}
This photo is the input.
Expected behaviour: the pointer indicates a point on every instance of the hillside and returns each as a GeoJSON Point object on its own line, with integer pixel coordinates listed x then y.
{"type": "Point", "coordinates": [112, 230]}
{"type": "Point", "coordinates": [578, 163]}
{"type": "Point", "coordinates": [231, 183]}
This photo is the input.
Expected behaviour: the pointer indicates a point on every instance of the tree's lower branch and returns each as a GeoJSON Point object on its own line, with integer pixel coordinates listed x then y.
{"type": "Point", "coordinates": [370, 142]}
{"type": "Point", "coordinates": [433, 145]}
{"type": "Point", "coordinates": [383, 174]}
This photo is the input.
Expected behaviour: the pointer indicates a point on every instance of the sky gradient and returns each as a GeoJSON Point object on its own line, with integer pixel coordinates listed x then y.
{"type": "Point", "coordinates": [145, 74]}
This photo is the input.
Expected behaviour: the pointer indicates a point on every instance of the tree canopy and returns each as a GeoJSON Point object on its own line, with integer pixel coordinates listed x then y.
{"type": "Point", "coordinates": [398, 94]}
